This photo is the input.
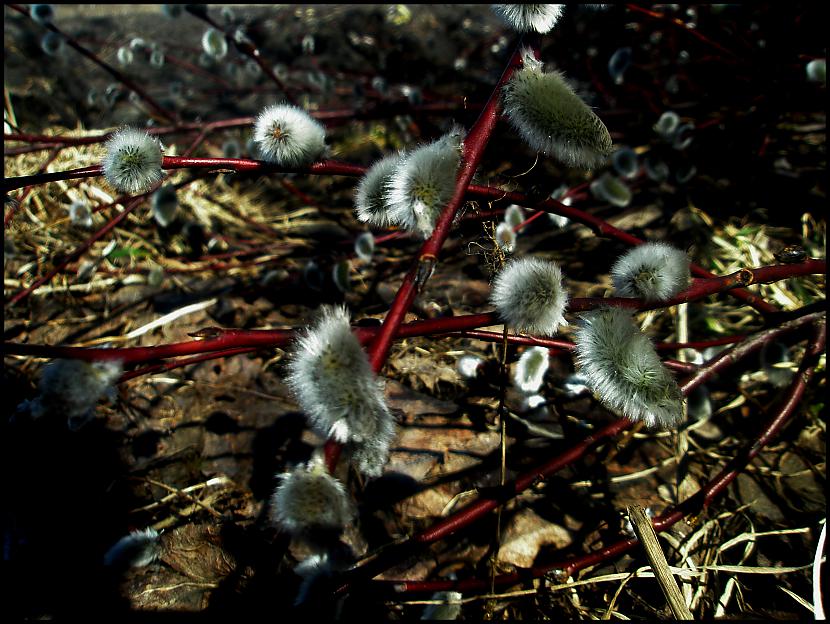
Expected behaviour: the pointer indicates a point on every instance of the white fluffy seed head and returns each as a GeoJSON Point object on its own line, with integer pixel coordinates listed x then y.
{"type": "Point", "coordinates": [308, 498]}
{"type": "Point", "coordinates": [133, 161]}
{"type": "Point", "coordinates": [288, 136]}
{"type": "Point", "coordinates": [551, 118]}
{"type": "Point", "coordinates": [651, 271]}
{"type": "Point", "coordinates": [539, 18]}
{"type": "Point", "coordinates": [71, 389]}
{"type": "Point", "coordinates": [529, 296]}
{"type": "Point", "coordinates": [136, 549]}
{"type": "Point", "coordinates": [530, 369]}
{"type": "Point", "coordinates": [624, 371]}
{"type": "Point", "coordinates": [423, 182]}
{"type": "Point", "coordinates": [333, 382]}
{"type": "Point", "coordinates": [370, 204]}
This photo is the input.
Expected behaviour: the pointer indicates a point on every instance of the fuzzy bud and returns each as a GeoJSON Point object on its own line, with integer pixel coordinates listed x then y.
{"type": "Point", "coordinates": [42, 13]}
{"type": "Point", "coordinates": [469, 365]}
{"type": "Point", "coordinates": [551, 118]}
{"type": "Point", "coordinates": [529, 296]}
{"type": "Point", "coordinates": [80, 214]}
{"type": "Point", "coordinates": [370, 205]}
{"type": "Point", "coordinates": [133, 161]}
{"type": "Point", "coordinates": [539, 18]}
{"type": "Point", "coordinates": [288, 136]}
{"type": "Point", "coordinates": [364, 246]}
{"type": "Point", "coordinates": [333, 382]}
{"type": "Point", "coordinates": [530, 369]}
{"type": "Point", "coordinates": [505, 237]}
{"type": "Point", "coordinates": [72, 388]}
{"type": "Point", "coordinates": [137, 549]}
{"type": "Point", "coordinates": [624, 371]}
{"type": "Point", "coordinates": [165, 205]}
{"type": "Point", "coordinates": [610, 188]}
{"type": "Point", "coordinates": [423, 183]}
{"type": "Point", "coordinates": [310, 499]}
{"type": "Point", "coordinates": [651, 271]}
{"type": "Point", "coordinates": [214, 44]}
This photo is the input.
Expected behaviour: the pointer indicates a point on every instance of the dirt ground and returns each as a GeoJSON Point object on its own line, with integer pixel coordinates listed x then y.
{"type": "Point", "coordinates": [195, 452]}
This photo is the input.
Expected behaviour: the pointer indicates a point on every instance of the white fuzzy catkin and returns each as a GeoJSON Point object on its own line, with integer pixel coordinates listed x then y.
{"type": "Point", "coordinates": [551, 118]}
{"type": "Point", "coordinates": [136, 549]}
{"type": "Point", "coordinates": [529, 296]}
{"type": "Point", "coordinates": [423, 182]}
{"type": "Point", "coordinates": [651, 271]}
{"type": "Point", "coordinates": [539, 18]}
{"type": "Point", "coordinates": [309, 498]}
{"type": "Point", "coordinates": [72, 388]}
{"type": "Point", "coordinates": [334, 384]}
{"type": "Point", "coordinates": [370, 204]}
{"type": "Point", "coordinates": [624, 371]}
{"type": "Point", "coordinates": [133, 161]}
{"type": "Point", "coordinates": [530, 369]}
{"type": "Point", "coordinates": [288, 136]}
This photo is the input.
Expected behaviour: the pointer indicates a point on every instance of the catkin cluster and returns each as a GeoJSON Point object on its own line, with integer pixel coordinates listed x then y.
{"type": "Point", "coordinates": [410, 190]}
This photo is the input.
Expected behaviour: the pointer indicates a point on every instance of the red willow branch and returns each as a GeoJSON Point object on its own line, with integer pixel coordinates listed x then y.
{"type": "Point", "coordinates": [603, 228]}
{"type": "Point", "coordinates": [474, 144]}
{"type": "Point", "coordinates": [427, 257]}
{"type": "Point", "coordinates": [333, 116]}
{"type": "Point", "coordinates": [565, 345]}
{"type": "Point", "coordinates": [19, 200]}
{"type": "Point", "coordinates": [70, 41]}
{"type": "Point", "coordinates": [216, 338]}
{"type": "Point", "coordinates": [396, 553]}
{"type": "Point", "coordinates": [167, 366]}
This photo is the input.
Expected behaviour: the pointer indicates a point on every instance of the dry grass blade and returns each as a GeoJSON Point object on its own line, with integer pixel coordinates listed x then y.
{"type": "Point", "coordinates": [648, 538]}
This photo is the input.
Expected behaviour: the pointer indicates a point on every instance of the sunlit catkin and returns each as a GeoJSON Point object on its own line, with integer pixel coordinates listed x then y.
{"type": "Point", "coordinates": [332, 380]}
{"type": "Point", "coordinates": [528, 295]}
{"type": "Point", "coordinates": [651, 271]}
{"type": "Point", "coordinates": [552, 119]}
{"type": "Point", "coordinates": [624, 371]}
{"type": "Point", "coordinates": [308, 498]}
